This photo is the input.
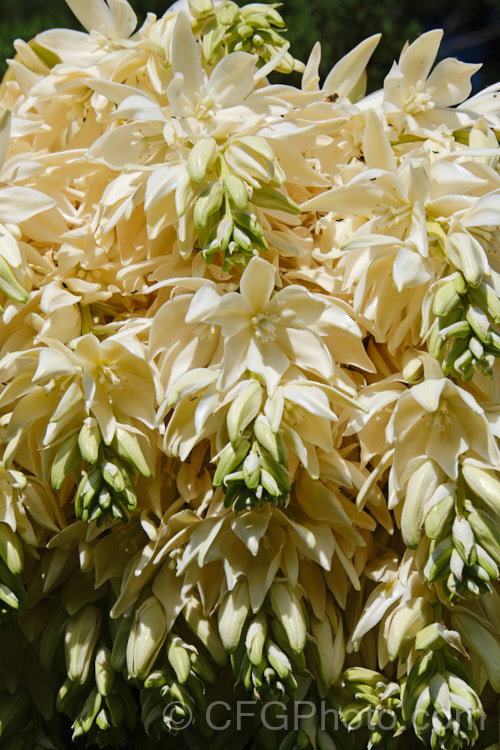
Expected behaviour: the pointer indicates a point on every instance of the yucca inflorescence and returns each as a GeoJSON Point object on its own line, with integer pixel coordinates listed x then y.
{"type": "Point", "coordinates": [249, 411]}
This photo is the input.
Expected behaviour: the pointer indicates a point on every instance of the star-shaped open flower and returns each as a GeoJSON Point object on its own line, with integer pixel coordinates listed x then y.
{"type": "Point", "coordinates": [264, 332]}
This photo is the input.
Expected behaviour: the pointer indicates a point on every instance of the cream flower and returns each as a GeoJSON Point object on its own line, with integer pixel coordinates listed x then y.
{"type": "Point", "coordinates": [54, 388]}
{"type": "Point", "coordinates": [439, 419]}
{"type": "Point", "coordinates": [399, 582]}
{"type": "Point", "coordinates": [105, 21]}
{"type": "Point", "coordinates": [392, 197]}
{"type": "Point", "coordinates": [17, 205]}
{"type": "Point", "coordinates": [264, 333]}
{"type": "Point", "coordinates": [420, 101]}
{"type": "Point", "coordinates": [153, 243]}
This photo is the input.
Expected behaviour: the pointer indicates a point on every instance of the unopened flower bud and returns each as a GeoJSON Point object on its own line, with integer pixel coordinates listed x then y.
{"type": "Point", "coordinates": [104, 672]}
{"type": "Point", "coordinates": [243, 410]}
{"type": "Point", "coordinates": [288, 610]}
{"type": "Point", "coordinates": [466, 253]}
{"type": "Point", "coordinates": [127, 447]}
{"type": "Point", "coordinates": [228, 13]}
{"type": "Point", "coordinates": [81, 633]}
{"type": "Point", "coordinates": [256, 638]}
{"type": "Point", "coordinates": [236, 191]}
{"type": "Point", "coordinates": [229, 459]}
{"type": "Point", "coordinates": [201, 157]}
{"type": "Point", "coordinates": [146, 637]}
{"type": "Point", "coordinates": [11, 549]}
{"type": "Point", "coordinates": [278, 660]}
{"type": "Point", "coordinates": [89, 440]}
{"type": "Point", "coordinates": [232, 614]}
{"type": "Point", "coordinates": [200, 8]}
{"type": "Point", "coordinates": [178, 657]}
{"type": "Point", "coordinates": [208, 203]}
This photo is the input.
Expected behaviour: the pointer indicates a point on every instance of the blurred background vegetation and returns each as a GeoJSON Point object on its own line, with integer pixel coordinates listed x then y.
{"type": "Point", "coordinates": [472, 28]}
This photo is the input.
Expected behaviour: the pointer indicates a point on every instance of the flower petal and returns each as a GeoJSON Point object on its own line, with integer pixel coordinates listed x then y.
{"type": "Point", "coordinates": [257, 284]}
{"type": "Point", "coordinates": [235, 359]}
{"type": "Point", "coordinates": [306, 350]}
{"type": "Point", "coordinates": [428, 393]}
{"type": "Point", "coordinates": [17, 204]}
{"type": "Point", "coordinates": [267, 360]}
{"type": "Point", "coordinates": [417, 60]}
{"type": "Point", "coordinates": [232, 78]}
{"type": "Point", "coordinates": [185, 54]}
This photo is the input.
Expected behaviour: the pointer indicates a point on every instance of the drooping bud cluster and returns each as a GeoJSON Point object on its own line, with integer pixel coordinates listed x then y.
{"type": "Point", "coordinates": [252, 28]}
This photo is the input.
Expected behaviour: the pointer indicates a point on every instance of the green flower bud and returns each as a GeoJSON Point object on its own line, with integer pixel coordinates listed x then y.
{"type": "Point", "coordinates": [224, 233]}
{"type": "Point", "coordinates": [212, 42]}
{"type": "Point", "coordinates": [178, 657]}
{"type": "Point", "coordinates": [243, 410]}
{"type": "Point", "coordinates": [113, 475]}
{"type": "Point", "coordinates": [89, 440]}
{"type": "Point", "coordinates": [203, 629]}
{"type": "Point", "coordinates": [208, 203]}
{"type": "Point", "coordinates": [271, 441]}
{"type": "Point", "coordinates": [278, 660]}
{"type": "Point", "coordinates": [146, 638]}
{"type": "Point", "coordinates": [201, 157]}
{"type": "Point", "coordinates": [202, 666]}
{"type": "Point", "coordinates": [9, 284]}
{"type": "Point", "coordinates": [288, 610]}
{"type": "Point", "coordinates": [81, 633]}
{"type": "Point", "coordinates": [91, 708]}
{"type": "Point", "coordinates": [466, 253]}
{"type": "Point", "coordinates": [104, 672]}
{"type": "Point", "coordinates": [251, 470]}
{"type": "Point", "coordinates": [233, 612]}
{"type": "Point", "coordinates": [236, 191]}
{"type": "Point", "coordinates": [479, 323]}
{"type": "Point", "coordinates": [200, 8]}
{"type": "Point", "coordinates": [485, 297]}
{"type": "Point", "coordinates": [67, 458]}
{"type": "Point", "coordinates": [228, 13]}
{"type": "Point", "coordinates": [88, 488]}
{"type": "Point", "coordinates": [11, 549]}
{"type": "Point", "coordinates": [256, 638]}
{"type": "Point", "coordinates": [229, 459]}
{"type": "Point", "coordinates": [445, 299]}
{"type": "Point", "coordinates": [275, 477]}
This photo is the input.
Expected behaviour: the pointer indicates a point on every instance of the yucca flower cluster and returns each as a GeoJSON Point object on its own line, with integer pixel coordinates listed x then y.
{"type": "Point", "coordinates": [249, 414]}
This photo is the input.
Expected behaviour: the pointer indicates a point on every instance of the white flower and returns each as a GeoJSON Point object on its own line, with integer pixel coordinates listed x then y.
{"type": "Point", "coordinates": [421, 101]}
{"type": "Point", "coordinates": [17, 205]}
{"type": "Point", "coordinates": [109, 380]}
{"type": "Point", "coordinates": [265, 332]}
{"type": "Point", "coordinates": [392, 197]}
{"type": "Point", "coordinates": [439, 419]}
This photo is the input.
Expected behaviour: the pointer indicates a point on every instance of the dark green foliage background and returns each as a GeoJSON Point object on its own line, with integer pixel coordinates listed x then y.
{"type": "Point", "coordinates": [472, 27]}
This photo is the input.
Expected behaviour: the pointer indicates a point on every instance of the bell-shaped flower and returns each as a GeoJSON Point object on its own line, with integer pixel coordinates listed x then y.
{"type": "Point", "coordinates": [55, 387]}
{"type": "Point", "coordinates": [392, 197]}
{"type": "Point", "coordinates": [441, 420]}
